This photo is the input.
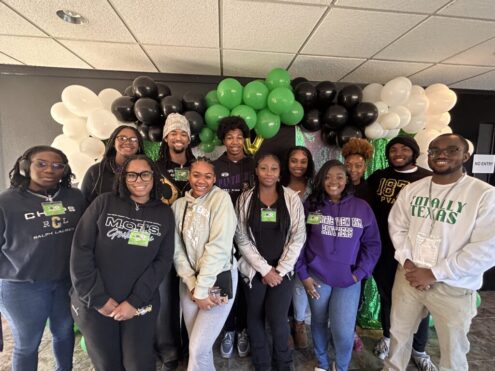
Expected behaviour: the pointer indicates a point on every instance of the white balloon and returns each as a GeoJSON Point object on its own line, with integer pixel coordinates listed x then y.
{"type": "Point", "coordinates": [65, 144]}
{"type": "Point", "coordinates": [382, 108]}
{"type": "Point", "coordinates": [92, 147]}
{"type": "Point", "coordinates": [374, 131]}
{"type": "Point", "coordinates": [436, 87]}
{"type": "Point", "coordinates": [418, 104]}
{"type": "Point", "coordinates": [392, 133]}
{"type": "Point", "coordinates": [446, 130]}
{"type": "Point", "coordinates": [396, 91]}
{"type": "Point", "coordinates": [60, 113]}
{"type": "Point", "coordinates": [372, 92]}
{"type": "Point", "coordinates": [75, 128]}
{"type": "Point", "coordinates": [422, 161]}
{"type": "Point", "coordinates": [107, 96]}
{"type": "Point", "coordinates": [404, 114]}
{"type": "Point", "coordinates": [437, 122]}
{"type": "Point", "coordinates": [80, 100]}
{"type": "Point", "coordinates": [416, 124]}
{"type": "Point", "coordinates": [121, 123]}
{"type": "Point", "coordinates": [470, 147]}
{"type": "Point", "coordinates": [79, 164]}
{"type": "Point", "coordinates": [424, 138]}
{"type": "Point", "coordinates": [441, 101]}
{"type": "Point", "coordinates": [101, 123]}
{"type": "Point", "coordinates": [417, 90]}
{"type": "Point", "coordinates": [390, 120]}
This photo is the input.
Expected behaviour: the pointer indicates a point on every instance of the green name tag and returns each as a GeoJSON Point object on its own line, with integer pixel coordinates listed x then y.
{"type": "Point", "coordinates": [268, 215]}
{"type": "Point", "coordinates": [139, 238]}
{"type": "Point", "coordinates": [181, 174]}
{"type": "Point", "coordinates": [53, 208]}
{"type": "Point", "coordinates": [313, 218]}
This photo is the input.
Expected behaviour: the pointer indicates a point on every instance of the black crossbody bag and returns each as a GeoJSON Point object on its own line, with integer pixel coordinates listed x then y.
{"type": "Point", "coordinates": [224, 279]}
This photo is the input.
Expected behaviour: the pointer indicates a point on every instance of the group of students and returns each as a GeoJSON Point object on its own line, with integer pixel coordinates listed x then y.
{"type": "Point", "coordinates": [226, 245]}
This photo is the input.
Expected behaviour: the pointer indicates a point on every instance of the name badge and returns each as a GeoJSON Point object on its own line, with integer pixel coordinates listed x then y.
{"type": "Point", "coordinates": [313, 218]}
{"type": "Point", "coordinates": [139, 238]}
{"type": "Point", "coordinates": [268, 215]}
{"type": "Point", "coordinates": [181, 174]}
{"type": "Point", "coordinates": [53, 208]}
{"type": "Point", "coordinates": [425, 253]}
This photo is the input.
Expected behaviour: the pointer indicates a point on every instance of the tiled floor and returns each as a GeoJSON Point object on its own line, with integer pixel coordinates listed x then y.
{"type": "Point", "coordinates": [481, 356]}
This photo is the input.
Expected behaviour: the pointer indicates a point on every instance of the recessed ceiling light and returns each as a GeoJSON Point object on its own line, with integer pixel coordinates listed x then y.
{"type": "Point", "coordinates": [71, 16]}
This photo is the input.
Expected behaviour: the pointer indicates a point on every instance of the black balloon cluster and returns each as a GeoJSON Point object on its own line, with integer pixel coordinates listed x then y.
{"type": "Point", "coordinates": [338, 121]}
{"type": "Point", "coordinates": [148, 103]}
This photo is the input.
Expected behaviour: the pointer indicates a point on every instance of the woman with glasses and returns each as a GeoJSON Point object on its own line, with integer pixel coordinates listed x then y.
{"type": "Point", "coordinates": [122, 249]}
{"type": "Point", "coordinates": [270, 236]}
{"type": "Point", "coordinates": [125, 141]}
{"type": "Point", "coordinates": [38, 215]}
{"type": "Point", "coordinates": [204, 259]}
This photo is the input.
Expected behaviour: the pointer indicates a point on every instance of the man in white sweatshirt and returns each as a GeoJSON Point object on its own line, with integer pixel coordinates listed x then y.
{"type": "Point", "coordinates": [442, 230]}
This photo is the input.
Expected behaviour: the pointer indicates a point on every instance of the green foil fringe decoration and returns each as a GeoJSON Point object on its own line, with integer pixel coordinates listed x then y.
{"type": "Point", "coordinates": [152, 149]}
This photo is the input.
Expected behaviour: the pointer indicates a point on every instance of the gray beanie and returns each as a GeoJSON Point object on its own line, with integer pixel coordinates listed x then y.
{"type": "Point", "coordinates": [176, 121]}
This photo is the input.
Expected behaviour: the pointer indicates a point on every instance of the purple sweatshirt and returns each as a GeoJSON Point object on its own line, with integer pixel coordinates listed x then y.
{"type": "Point", "coordinates": [345, 242]}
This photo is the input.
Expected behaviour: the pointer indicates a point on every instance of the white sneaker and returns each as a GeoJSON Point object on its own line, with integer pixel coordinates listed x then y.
{"type": "Point", "coordinates": [227, 344]}
{"type": "Point", "coordinates": [381, 349]}
{"type": "Point", "coordinates": [423, 362]}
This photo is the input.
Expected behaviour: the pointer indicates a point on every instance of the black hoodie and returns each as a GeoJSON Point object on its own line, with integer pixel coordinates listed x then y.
{"type": "Point", "coordinates": [234, 177]}
{"type": "Point", "coordinates": [105, 265]}
{"type": "Point", "coordinates": [98, 179]}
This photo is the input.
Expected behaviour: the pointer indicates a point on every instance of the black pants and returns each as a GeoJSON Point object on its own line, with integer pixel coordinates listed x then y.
{"type": "Point", "coordinates": [117, 345]}
{"type": "Point", "coordinates": [384, 275]}
{"type": "Point", "coordinates": [168, 334]}
{"type": "Point", "coordinates": [272, 304]}
{"type": "Point", "coordinates": [237, 319]}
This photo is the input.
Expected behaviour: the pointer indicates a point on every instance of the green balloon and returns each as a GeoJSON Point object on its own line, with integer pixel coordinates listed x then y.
{"type": "Point", "coordinates": [229, 93]}
{"type": "Point", "coordinates": [267, 125]}
{"type": "Point", "coordinates": [280, 100]}
{"type": "Point", "coordinates": [211, 98]}
{"type": "Point", "coordinates": [217, 141]}
{"type": "Point", "coordinates": [206, 135]}
{"type": "Point", "coordinates": [247, 113]}
{"type": "Point", "coordinates": [207, 147]}
{"type": "Point", "coordinates": [214, 114]}
{"type": "Point", "coordinates": [278, 78]}
{"type": "Point", "coordinates": [478, 300]}
{"type": "Point", "coordinates": [255, 94]}
{"type": "Point", "coordinates": [294, 115]}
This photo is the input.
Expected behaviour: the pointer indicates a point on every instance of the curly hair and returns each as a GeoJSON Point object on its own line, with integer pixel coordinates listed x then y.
{"type": "Point", "coordinates": [19, 179]}
{"type": "Point", "coordinates": [232, 123]}
{"type": "Point", "coordinates": [358, 146]}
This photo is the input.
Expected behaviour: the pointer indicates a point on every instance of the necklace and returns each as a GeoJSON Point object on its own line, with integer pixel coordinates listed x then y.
{"type": "Point", "coordinates": [47, 197]}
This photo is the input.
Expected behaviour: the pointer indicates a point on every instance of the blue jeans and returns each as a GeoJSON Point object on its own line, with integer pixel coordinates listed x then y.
{"type": "Point", "coordinates": [27, 307]}
{"type": "Point", "coordinates": [299, 300]}
{"type": "Point", "coordinates": [339, 305]}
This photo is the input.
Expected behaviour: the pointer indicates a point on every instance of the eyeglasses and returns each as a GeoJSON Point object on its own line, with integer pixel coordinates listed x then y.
{"type": "Point", "coordinates": [145, 176]}
{"type": "Point", "coordinates": [449, 151]}
{"type": "Point", "coordinates": [123, 139]}
{"type": "Point", "coordinates": [42, 164]}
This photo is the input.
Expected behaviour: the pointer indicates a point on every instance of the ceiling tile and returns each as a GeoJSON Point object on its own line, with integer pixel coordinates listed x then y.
{"type": "Point", "coordinates": [323, 68]}
{"type": "Point", "coordinates": [103, 23]}
{"type": "Point", "coordinates": [7, 60]}
{"type": "Point", "coordinates": [471, 8]}
{"type": "Point", "coordinates": [36, 51]}
{"type": "Point", "coordinates": [264, 26]}
{"type": "Point", "coordinates": [12, 23]}
{"type": "Point", "coordinates": [313, 2]}
{"type": "Point", "coordinates": [253, 64]}
{"type": "Point", "coordinates": [446, 74]}
{"type": "Point", "coordinates": [433, 40]}
{"type": "Point", "coordinates": [172, 59]}
{"type": "Point", "coordinates": [173, 22]}
{"type": "Point", "coordinates": [383, 71]}
{"type": "Point", "coordinates": [482, 82]}
{"type": "Point", "coordinates": [482, 54]}
{"type": "Point", "coordinates": [358, 33]}
{"type": "Point", "coordinates": [111, 56]}
{"type": "Point", "coordinates": [419, 6]}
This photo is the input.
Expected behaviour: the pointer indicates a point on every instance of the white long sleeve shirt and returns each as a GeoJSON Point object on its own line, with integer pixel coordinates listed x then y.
{"type": "Point", "coordinates": [460, 218]}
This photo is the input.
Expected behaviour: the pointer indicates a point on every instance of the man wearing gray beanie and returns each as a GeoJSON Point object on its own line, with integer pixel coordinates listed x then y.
{"type": "Point", "coordinates": [385, 185]}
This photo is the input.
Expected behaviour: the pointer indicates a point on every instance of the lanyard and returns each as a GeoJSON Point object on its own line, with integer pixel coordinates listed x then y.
{"type": "Point", "coordinates": [446, 195]}
{"type": "Point", "coordinates": [48, 198]}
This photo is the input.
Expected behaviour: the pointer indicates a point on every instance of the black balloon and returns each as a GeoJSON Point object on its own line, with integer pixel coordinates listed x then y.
{"type": "Point", "coordinates": [311, 120]}
{"type": "Point", "coordinates": [147, 110]}
{"type": "Point", "coordinates": [144, 87]}
{"type": "Point", "coordinates": [329, 137]}
{"type": "Point", "coordinates": [171, 104]}
{"type": "Point", "coordinates": [306, 94]}
{"type": "Point", "coordinates": [350, 96]}
{"type": "Point", "coordinates": [348, 132]}
{"type": "Point", "coordinates": [196, 122]}
{"type": "Point", "coordinates": [143, 130]}
{"type": "Point", "coordinates": [128, 91]}
{"type": "Point", "coordinates": [163, 90]}
{"type": "Point", "coordinates": [297, 81]}
{"type": "Point", "coordinates": [155, 133]}
{"type": "Point", "coordinates": [334, 117]}
{"type": "Point", "coordinates": [195, 141]}
{"type": "Point", "coordinates": [192, 101]}
{"type": "Point", "coordinates": [123, 109]}
{"type": "Point", "coordinates": [364, 114]}
{"type": "Point", "coordinates": [326, 93]}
